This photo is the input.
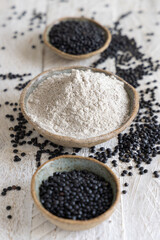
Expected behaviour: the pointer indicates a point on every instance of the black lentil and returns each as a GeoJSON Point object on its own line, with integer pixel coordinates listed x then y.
{"type": "Point", "coordinates": [156, 174]}
{"type": "Point", "coordinates": [130, 174]}
{"type": "Point", "coordinates": [23, 154]}
{"type": "Point", "coordinates": [102, 149]}
{"type": "Point", "coordinates": [15, 150]}
{"type": "Point", "coordinates": [8, 208]}
{"type": "Point", "coordinates": [13, 187]}
{"type": "Point", "coordinates": [3, 193]}
{"type": "Point", "coordinates": [77, 37]}
{"type": "Point", "coordinates": [130, 167]}
{"type": "Point", "coordinates": [17, 158]}
{"type": "Point", "coordinates": [126, 184]}
{"type": "Point", "coordinates": [81, 9]}
{"type": "Point", "coordinates": [124, 191]}
{"type": "Point", "coordinates": [75, 195]}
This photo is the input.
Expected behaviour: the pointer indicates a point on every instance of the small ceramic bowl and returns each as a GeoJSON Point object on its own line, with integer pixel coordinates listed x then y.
{"type": "Point", "coordinates": [69, 163]}
{"type": "Point", "coordinates": [71, 56]}
{"type": "Point", "coordinates": [71, 141]}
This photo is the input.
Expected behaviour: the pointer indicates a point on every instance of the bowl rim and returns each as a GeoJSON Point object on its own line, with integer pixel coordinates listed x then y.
{"type": "Point", "coordinates": [72, 56]}
{"type": "Point", "coordinates": [97, 219]}
{"type": "Point", "coordinates": [73, 140]}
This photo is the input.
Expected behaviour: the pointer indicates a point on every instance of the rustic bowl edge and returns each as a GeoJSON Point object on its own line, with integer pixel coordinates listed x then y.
{"type": "Point", "coordinates": [76, 225]}
{"type": "Point", "coordinates": [71, 56]}
{"type": "Point", "coordinates": [70, 141]}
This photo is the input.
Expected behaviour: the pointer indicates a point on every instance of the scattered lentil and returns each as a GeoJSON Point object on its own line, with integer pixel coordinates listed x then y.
{"type": "Point", "coordinates": [13, 187]}
{"type": "Point", "coordinates": [126, 184]}
{"type": "Point", "coordinates": [156, 174]}
{"type": "Point", "coordinates": [124, 191]}
{"type": "Point", "coordinates": [23, 154]}
{"type": "Point", "coordinates": [8, 208]}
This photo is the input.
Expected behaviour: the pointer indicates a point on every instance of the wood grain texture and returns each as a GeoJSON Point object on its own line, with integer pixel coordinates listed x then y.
{"type": "Point", "coordinates": [18, 57]}
{"type": "Point", "coordinates": [138, 213]}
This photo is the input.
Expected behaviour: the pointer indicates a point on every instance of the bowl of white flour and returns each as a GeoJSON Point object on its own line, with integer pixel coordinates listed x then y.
{"type": "Point", "coordinates": [79, 106]}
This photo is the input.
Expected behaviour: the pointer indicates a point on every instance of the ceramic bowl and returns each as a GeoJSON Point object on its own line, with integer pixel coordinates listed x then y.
{"type": "Point", "coordinates": [71, 56]}
{"type": "Point", "coordinates": [70, 141]}
{"type": "Point", "coordinates": [69, 163]}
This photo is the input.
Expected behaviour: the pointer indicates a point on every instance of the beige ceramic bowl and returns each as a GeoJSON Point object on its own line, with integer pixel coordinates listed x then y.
{"type": "Point", "coordinates": [70, 141]}
{"type": "Point", "coordinates": [69, 163]}
{"type": "Point", "coordinates": [71, 56]}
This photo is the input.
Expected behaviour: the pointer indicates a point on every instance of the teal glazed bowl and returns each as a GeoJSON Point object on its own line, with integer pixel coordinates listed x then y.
{"type": "Point", "coordinates": [69, 163]}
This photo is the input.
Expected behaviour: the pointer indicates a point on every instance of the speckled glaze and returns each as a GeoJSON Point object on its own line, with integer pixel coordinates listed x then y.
{"type": "Point", "coordinates": [70, 141]}
{"type": "Point", "coordinates": [71, 56]}
{"type": "Point", "coordinates": [68, 163]}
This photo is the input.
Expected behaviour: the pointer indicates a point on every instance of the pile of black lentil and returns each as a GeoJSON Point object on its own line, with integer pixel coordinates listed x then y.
{"type": "Point", "coordinates": [140, 144]}
{"type": "Point", "coordinates": [37, 20]}
{"type": "Point", "coordinates": [77, 37]}
{"type": "Point", "coordinates": [77, 195]}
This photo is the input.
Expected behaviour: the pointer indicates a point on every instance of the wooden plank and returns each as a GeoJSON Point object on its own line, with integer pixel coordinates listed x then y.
{"type": "Point", "coordinates": [141, 208]}
{"type": "Point", "coordinates": [128, 222]}
{"type": "Point", "coordinates": [56, 9]}
{"type": "Point", "coordinates": [18, 58]}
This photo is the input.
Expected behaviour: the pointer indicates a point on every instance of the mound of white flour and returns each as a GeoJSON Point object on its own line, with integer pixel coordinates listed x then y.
{"type": "Point", "coordinates": [79, 104]}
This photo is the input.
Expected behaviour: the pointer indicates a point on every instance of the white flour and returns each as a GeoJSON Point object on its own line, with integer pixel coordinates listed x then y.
{"type": "Point", "coordinates": [79, 104]}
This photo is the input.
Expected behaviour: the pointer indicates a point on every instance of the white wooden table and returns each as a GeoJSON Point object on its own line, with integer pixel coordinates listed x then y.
{"type": "Point", "coordinates": [138, 213]}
